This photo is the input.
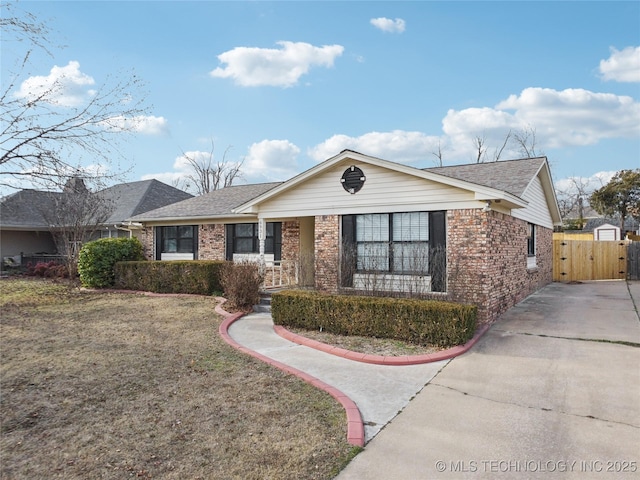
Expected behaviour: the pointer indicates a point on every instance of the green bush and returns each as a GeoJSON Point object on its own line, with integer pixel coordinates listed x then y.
{"type": "Point", "coordinates": [412, 320]}
{"type": "Point", "coordinates": [200, 277]}
{"type": "Point", "coordinates": [241, 284]}
{"type": "Point", "coordinates": [97, 259]}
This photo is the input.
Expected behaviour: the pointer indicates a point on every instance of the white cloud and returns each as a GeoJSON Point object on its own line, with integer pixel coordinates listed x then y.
{"type": "Point", "coordinates": [266, 161]}
{"type": "Point", "coordinates": [571, 117]}
{"type": "Point", "coordinates": [587, 184]}
{"type": "Point", "coordinates": [253, 67]}
{"type": "Point", "coordinates": [397, 145]}
{"type": "Point", "coordinates": [273, 160]}
{"type": "Point", "coordinates": [574, 116]}
{"type": "Point", "coordinates": [145, 124]}
{"type": "Point", "coordinates": [388, 25]}
{"type": "Point", "coordinates": [622, 65]}
{"type": "Point", "coordinates": [65, 86]}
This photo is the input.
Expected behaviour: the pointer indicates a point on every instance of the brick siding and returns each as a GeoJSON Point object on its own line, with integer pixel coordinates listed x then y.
{"type": "Point", "coordinates": [327, 251]}
{"type": "Point", "coordinates": [146, 238]}
{"type": "Point", "coordinates": [486, 259]}
{"type": "Point", "coordinates": [211, 244]}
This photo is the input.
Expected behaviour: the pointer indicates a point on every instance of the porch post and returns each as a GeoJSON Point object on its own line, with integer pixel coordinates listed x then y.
{"type": "Point", "coordinates": [262, 235]}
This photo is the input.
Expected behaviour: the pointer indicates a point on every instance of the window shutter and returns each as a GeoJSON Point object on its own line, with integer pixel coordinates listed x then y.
{"type": "Point", "coordinates": [228, 236]}
{"type": "Point", "coordinates": [348, 264]}
{"type": "Point", "coordinates": [277, 241]}
{"type": "Point", "coordinates": [437, 254]}
{"type": "Point", "coordinates": [157, 234]}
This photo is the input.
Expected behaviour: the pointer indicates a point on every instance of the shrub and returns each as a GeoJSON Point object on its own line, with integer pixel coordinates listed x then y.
{"type": "Point", "coordinates": [97, 259]}
{"type": "Point", "coordinates": [418, 321]}
{"type": "Point", "coordinates": [198, 277]}
{"type": "Point", "coordinates": [241, 284]}
{"type": "Point", "coordinates": [47, 270]}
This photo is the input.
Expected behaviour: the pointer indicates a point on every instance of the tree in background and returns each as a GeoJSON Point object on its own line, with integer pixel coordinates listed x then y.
{"type": "Point", "coordinates": [620, 197]}
{"type": "Point", "coordinates": [43, 132]}
{"type": "Point", "coordinates": [522, 141]}
{"type": "Point", "coordinates": [74, 216]}
{"type": "Point", "coordinates": [573, 201]}
{"type": "Point", "coordinates": [207, 173]}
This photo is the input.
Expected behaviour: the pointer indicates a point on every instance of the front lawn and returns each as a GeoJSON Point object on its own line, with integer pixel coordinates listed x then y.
{"type": "Point", "coordinates": [106, 385]}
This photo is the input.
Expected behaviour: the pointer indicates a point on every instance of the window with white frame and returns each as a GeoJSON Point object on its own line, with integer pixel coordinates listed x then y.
{"type": "Point", "coordinates": [396, 242]}
{"type": "Point", "coordinates": [242, 238]}
{"type": "Point", "coordinates": [531, 245]}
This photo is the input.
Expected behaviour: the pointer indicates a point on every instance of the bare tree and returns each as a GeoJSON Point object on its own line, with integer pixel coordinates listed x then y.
{"type": "Point", "coordinates": [573, 200]}
{"type": "Point", "coordinates": [438, 154]}
{"type": "Point", "coordinates": [42, 137]}
{"type": "Point", "coordinates": [480, 145]}
{"type": "Point", "coordinates": [209, 174]}
{"type": "Point", "coordinates": [498, 151]}
{"type": "Point", "coordinates": [526, 142]}
{"type": "Point", "coordinates": [74, 216]}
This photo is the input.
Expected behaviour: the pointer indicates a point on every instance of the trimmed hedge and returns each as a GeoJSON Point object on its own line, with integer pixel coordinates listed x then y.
{"type": "Point", "coordinates": [417, 321]}
{"type": "Point", "coordinates": [200, 277]}
{"type": "Point", "coordinates": [97, 259]}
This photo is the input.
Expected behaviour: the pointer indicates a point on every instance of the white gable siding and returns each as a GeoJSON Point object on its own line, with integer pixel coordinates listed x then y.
{"type": "Point", "coordinates": [537, 211]}
{"type": "Point", "coordinates": [383, 191]}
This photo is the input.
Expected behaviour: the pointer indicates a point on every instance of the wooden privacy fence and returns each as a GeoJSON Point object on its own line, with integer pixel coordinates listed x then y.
{"type": "Point", "coordinates": [575, 260]}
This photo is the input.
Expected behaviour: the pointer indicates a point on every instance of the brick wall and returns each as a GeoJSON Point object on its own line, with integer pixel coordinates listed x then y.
{"type": "Point", "coordinates": [211, 244]}
{"type": "Point", "coordinates": [487, 260]}
{"type": "Point", "coordinates": [327, 251]}
{"type": "Point", "coordinates": [291, 241]}
{"type": "Point", "coordinates": [146, 238]}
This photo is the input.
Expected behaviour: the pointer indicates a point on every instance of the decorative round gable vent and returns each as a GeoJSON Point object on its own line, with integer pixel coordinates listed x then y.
{"type": "Point", "coordinates": [353, 179]}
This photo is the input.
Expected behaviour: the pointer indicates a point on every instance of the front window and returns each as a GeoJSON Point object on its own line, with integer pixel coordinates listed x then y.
{"type": "Point", "coordinates": [176, 242]}
{"type": "Point", "coordinates": [394, 246]}
{"type": "Point", "coordinates": [178, 239]}
{"type": "Point", "coordinates": [397, 242]}
{"type": "Point", "coordinates": [242, 238]}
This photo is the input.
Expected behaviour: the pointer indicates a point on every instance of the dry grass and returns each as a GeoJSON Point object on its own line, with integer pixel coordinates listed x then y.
{"type": "Point", "coordinates": [104, 385]}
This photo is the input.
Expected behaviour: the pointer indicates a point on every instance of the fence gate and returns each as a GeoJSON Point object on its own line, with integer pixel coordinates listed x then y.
{"type": "Point", "coordinates": [633, 261]}
{"type": "Point", "coordinates": [589, 260]}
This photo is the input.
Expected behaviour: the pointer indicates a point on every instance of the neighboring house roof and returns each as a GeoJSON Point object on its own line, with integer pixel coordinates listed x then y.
{"type": "Point", "coordinates": [138, 197]}
{"type": "Point", "coordinates": [219, 203]}
{"type": "Point", "coordinates": [630, 225]}
{"type": "Point", "coordinates": [26, 209]}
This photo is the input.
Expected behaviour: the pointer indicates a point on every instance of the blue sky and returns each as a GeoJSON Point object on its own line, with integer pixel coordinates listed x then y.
{"type": "Point", "coordinates": [289, 84]}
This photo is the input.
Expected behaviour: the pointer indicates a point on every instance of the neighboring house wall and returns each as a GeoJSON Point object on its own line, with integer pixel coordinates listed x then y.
{"type": "Point", "coordinates": [14, 242]}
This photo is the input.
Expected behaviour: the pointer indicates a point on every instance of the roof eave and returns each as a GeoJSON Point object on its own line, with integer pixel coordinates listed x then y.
{"type": "Point", "coordinates": [194, 219]}
{"type": "Point", "coordinates": [481, 192]}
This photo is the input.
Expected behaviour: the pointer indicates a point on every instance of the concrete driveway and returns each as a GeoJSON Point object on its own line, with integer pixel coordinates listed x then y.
{"type": "Point", "coordinates": [551, 391]}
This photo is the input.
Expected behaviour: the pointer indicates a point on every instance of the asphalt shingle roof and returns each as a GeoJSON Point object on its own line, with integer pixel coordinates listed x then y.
{"type": "Point", "coordinates": [26, 209]}
{"type": "Point", "coordinates": [213, 204]}
{"type": "Point", "coordinates": [511, 176]}
{"type": "Point", "coordinates": [138, 197]}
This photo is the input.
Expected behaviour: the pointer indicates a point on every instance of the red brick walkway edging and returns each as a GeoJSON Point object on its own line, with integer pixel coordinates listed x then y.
{"type": "Point", "coordinates": [355, 426]}
{"type": "Point", "coordinates": [380, 359]}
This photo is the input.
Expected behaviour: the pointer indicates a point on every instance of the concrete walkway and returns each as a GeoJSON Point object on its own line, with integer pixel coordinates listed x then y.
{"type": "Point", "coordinates": [379, 391]}
{"type": "Point", "coordinates": [551, 391]}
